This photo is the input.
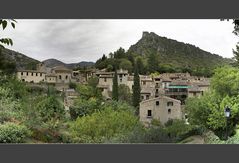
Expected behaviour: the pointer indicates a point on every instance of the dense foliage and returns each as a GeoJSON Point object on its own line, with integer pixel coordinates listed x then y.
{"type": "Point", "coordinates": [208, 111]}
{"type": "Point", "coordinates": [13, 133]}
{"type": "Point", "coordinates": [102, 125]}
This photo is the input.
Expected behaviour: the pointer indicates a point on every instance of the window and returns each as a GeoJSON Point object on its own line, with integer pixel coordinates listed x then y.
{"type": "Point", "coordinates": [120, 80]}
{"type": "Point", "coordinates": [170, 103]}
{"type": "Point", "coordinates": [157, 84]}
{"type": "Point", "coordinates": [142, 97]}
{"type": "Point", "coordinates": [66, 77]}
{"type": "Point", "coordinates": [27, 73]}
{"type": "Point", "coordinates": [147, 97]}
{"type": "Point", "coordinates": [157, 103]}
{"type": "Point", "coordinates": [149, 114]}
{"type": "Point", "coordinates": [40, 74]}
{"type": "Point", "coordinates": [105, 79]}
{"type": "Point", "coordinates": [157, 90]}
{"type": "Point", "coordinates": [36, 74]}
{"type": "Point", "coordinates": [59, 76]}
{"type": "Point", "coordinates": [32, 73]}
{"type": "Point", "coordinates": [21, 73]}
{"type": "Point", "coordinates": [120, 75]}
{"type": "Point", "coordinates": [144, 82]}
{"type": "Point", "coordinates": [169, 111]}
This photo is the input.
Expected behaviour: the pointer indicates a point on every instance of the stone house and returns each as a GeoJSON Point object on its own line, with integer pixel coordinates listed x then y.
{"type": "Point", "coordinates": [146, 81]}
{"type": "Point", "coordinates": [147, 93]}
{"type": "Point", "coordinates": [31, 76]}
{"type": "Point", "coordinates": [106, 80]}
{"type": "Point", "coordinates": [195, 91]}
{"type": "Point", "coordinates": [62, 73]}
{"type": "Point", "coordinates": [161, 108]}
{"type": "Point", "coordinates": [51, 78]}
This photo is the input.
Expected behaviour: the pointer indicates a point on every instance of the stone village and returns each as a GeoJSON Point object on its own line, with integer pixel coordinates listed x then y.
{"type": "Point", "coordinates": [162, 97]}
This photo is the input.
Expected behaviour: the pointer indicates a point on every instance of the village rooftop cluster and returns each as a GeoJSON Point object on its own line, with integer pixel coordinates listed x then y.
{"type": "Point", "coordinates": [162, 96]}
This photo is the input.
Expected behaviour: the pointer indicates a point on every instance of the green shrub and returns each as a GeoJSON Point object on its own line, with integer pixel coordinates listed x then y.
{"type": "Point", "coordinates": [13, 133]}
{"type": "Point", "coordinates": [84, 107]}
{"type": "Point", "coordinates": [50, 107]}
{"type": "Point", "coordinates": [72, 85]}
{"type": "Point", "coordinates": [102, 126]}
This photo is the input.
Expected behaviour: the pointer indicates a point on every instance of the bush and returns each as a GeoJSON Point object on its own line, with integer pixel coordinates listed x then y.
{"type": "Point", "coordinates": [102, 126]}
{"type": "Point", "coordinates": [13, 133]}
{"type": "Point", "coordinates": [84, 107]}
{"type": "Point", "coordinates": [72, 85]}
{"type": "Point", "coordinates": [50, 108]}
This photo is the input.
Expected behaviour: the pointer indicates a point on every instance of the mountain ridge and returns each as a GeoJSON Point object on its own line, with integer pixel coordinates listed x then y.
{"type": "Point", "coordinates": [176, 54]}
{"type": "Point", "coordinates": [23, 61]}
{"type": "Point", "coordinates": [55, 62]}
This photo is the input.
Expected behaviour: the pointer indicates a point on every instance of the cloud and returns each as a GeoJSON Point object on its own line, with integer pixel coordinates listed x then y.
{"type": "Point", "coordinates": [87, 40]}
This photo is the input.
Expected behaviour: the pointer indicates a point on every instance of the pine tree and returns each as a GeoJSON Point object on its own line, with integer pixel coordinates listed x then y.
{"type": "Point", "coordinates": [136, 90]}
{"type": "Point", "coordinates": [115, 94]}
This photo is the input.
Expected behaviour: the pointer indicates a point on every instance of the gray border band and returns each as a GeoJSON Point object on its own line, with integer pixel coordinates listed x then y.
{"type": "Point", "coordinates": [112, 9]}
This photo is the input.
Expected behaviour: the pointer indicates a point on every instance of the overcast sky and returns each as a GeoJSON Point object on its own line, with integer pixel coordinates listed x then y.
{"type": "Point", "coordinates": [87, 40]}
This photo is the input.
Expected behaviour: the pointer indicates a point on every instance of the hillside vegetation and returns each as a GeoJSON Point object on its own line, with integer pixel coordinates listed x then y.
{"type": "Point", "coordinates": [161, 54]}
{"type": "Point", "coordinates": [10, 59]}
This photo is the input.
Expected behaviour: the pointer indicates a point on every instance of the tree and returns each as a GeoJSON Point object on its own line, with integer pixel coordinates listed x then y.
{"type": "Point", "coordinates": [72, 85]}
{"type": "Point", "coordinates": [236, 26]}
{"type": "Point", "coordinates": [208, 110]}
{"type": "Point", "coordinates": [5, 65]}
{"type": "Point", "coordinates": [49, 108]}
{"type": "Point", "coordinates": [225, 81]}
{"type": "Point", "coordinates": [153, 63]}
{"type": "Point", "coordinates": [93, 81]}
{"type": "Point", "coordinates": [236, 55]}
{"type": "Point", "coordinates": [4, 23]}
{"type": "Point", "coordinates": [136, 90]}
{"type": "Point", "coordinates": [104, 57]}
{"type": "Point", "coordinates": [109, 68]}
{"type": "Point", "coordinates": [140, 65]}
{"type": "Point", "coordinates": [126, 65]}
{"type": "Point", "coordinates": [115, 94]}
{"type": "Point", "coordinates": [124, 93]}
{"type": "Point", "coordinates": [120, 53]}
{"type": "Point", "coordinates": [83, 107]}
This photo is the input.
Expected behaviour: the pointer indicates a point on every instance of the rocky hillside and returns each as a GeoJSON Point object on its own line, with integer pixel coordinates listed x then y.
{"type": "Point", "coordinates": [177, 55]}
{"type": "Point", "coordinates": [20, 60]}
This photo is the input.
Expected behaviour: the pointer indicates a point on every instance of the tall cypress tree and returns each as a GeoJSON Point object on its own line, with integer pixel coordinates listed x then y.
{"type": "Point", "coordinates": [115, 94]}
{"type": "Point", "coordinates": [136, 89]}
